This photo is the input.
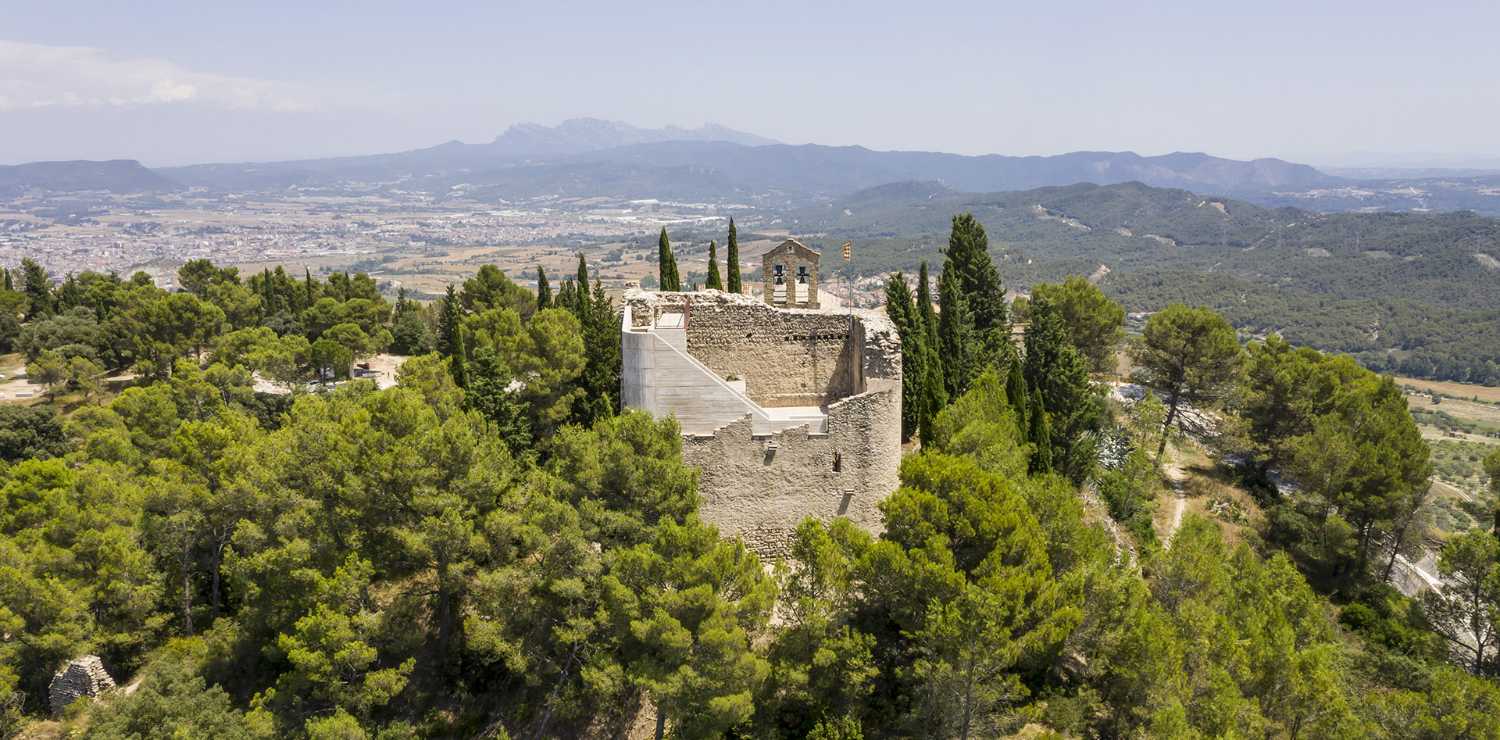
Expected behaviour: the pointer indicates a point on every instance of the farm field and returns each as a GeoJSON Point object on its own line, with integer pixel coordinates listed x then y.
{"type": "Point", "coordinates": [1461, 423]}
{"type": "Point", "coordinates": [1451, 389]}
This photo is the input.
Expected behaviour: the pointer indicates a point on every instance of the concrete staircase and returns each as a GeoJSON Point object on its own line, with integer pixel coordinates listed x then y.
{"type": "Point", "coordinates": [661, 377]}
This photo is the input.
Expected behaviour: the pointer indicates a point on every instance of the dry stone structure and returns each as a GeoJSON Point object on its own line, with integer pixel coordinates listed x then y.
{"type": "Point", "coordinates": [787, 413]}
{"type": "Point", "coordinates": [81, 677]}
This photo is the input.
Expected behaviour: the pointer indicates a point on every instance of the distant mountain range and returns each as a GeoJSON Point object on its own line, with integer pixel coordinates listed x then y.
{"type": "Point", "coordinates": [578, 135]}
{"type": "Point", "coordinates": [116, 175]}
{"type": "Point", "coordinates": [587, 157]}
{"type": "Point", "coordinates": [590, 157]}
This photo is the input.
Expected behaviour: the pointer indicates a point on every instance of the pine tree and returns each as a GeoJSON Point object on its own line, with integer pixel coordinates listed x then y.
{"type": "Point", "coordinates": [732, 257]}
{"type": "Point", "coordinates": [955, 342]}
{"type": "Point", "coordinates": [450, 325]}
{"type": "Point", "coordinates": [712, 283]}
{"type": "Point", "coordinates": [543, 289]}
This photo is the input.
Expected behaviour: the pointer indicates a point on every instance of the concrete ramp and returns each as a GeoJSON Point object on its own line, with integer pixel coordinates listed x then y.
{"type": "Point", "coordinates": [659, 376]}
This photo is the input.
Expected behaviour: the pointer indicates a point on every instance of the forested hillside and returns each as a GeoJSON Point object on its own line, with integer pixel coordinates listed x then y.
{"type": "Point", "coordinates": [492, 547]}
{"type": "Point", "coordinates": [1412, 292]}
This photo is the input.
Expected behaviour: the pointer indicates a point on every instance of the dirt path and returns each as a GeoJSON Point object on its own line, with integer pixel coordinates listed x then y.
{"type": "Point", "coordinates": [1175, 478]}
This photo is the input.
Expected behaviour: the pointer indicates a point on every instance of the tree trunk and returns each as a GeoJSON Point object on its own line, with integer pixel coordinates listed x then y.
{"type": "Point", "coordinates": [187, 595]}
{"type": "Point", "coordinates": [661, 723]}
{"type": "Point", "coordinates": [1166, 426]}
{"type": "Point", "coordinates": [1476, 625]}
{"type": "Point", "coordinates": [214, 593]}
{"type": "Point", "coordinates": [445, 614]}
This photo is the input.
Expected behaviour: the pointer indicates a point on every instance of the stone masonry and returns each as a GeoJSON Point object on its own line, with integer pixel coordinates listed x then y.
{"type": "Point", "coordinates": [786, 413]}
{"type": "Point", "coordinates": [789, 274]}
{"type": "Point", "coordinates": [81, 677]}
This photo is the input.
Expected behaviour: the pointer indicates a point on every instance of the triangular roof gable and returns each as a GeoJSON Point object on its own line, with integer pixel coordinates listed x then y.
{"type": "Point", "coordinates": [792, 245]}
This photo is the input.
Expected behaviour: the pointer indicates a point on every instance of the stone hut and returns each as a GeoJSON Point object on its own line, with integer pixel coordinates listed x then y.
{"type": "Point", "coordinates": [83, 676]}
{"type": "Point", "coordinates": [789, 273]}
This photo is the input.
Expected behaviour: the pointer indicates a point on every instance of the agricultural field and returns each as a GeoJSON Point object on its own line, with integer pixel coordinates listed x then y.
{"type": "Point", "coordinates": [1461, 423]}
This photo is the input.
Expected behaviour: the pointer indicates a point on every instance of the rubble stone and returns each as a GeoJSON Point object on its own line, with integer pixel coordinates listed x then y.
{"type": "Point", "coordinates": [84, 676]}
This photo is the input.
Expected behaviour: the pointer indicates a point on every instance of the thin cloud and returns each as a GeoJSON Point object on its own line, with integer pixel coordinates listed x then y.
{"type": "Point", "coordinates": [36, 76]}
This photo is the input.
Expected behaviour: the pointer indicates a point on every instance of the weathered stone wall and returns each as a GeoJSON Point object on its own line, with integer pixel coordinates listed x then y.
{"type": "Point", "coordinates": [761, 493]}
{"type": "Point", "coordinates": [84, 676]}
{"type": "Point", "coordinates": [760, 486]}
{"type": "Point", "coordinates": [792, 256]}
{"type": "Point", "coordinates": [785, 357]}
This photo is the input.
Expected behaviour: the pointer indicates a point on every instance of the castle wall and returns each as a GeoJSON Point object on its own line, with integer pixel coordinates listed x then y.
{"type": "Point", "coordinates": [785, 358]}
{"type": "Point", "coordinates": [760, 481]}
{"type": "Point", "coordinates": [762, 494]}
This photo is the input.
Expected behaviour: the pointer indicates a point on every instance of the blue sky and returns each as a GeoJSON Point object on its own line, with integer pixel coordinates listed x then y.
{"type": "Point", "coordinates": [175, 82]}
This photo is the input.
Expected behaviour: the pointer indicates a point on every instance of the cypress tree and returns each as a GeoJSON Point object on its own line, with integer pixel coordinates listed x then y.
{"type": "Point", "coordinates": [566, 296]}
{"type": "Point", "coordinates": [1015, 393]}
{"type": "Point", "coordinates": [955, 342]}
{"type": "Point", "coordinates": [898, 305]}
{"type": "Point", "coordinates": [543, 289]}
{"type": "Point", "coordinates": [267, 293]}
{"type": "Point", "coordinates": [1058, 377]}
{"type": "Point", "coordinates": [934, 394]}
{"type": "Point", "coordinates": [666, 264]}
{"type": "Point", "coordinates": [9, 282]}
{"type": "Point", "coordinates": [457, 364]}
{"type": "Point", "coordinates": [732, 265]}
{"type": "Point", "coordinates": [601, 375]}
{"type": "Point", "coordinates": [969, 256]}
{"type": "Point", "coordinates": [581, 300]}
{"type": "Point", "coordinates": [450, 322]}
{"type": "Point", "coordinates": [924, 304]}
{"type": "Point", "coordinates": [712, 283]}
{"type": "Point", "coordinates": [927, 318]}
{"type": "Point", "coordinates": [1040, 433]}
{"type": "Point", "coordinates": [934, 387]}
{"type": "Point", "coordinates": [38, 289]}
{"type": "Point", "coordinates": [310, 295]}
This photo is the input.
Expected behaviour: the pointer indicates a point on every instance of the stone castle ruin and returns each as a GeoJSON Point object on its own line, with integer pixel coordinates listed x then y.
{"type": "Point", "coordinates": [788, 411]}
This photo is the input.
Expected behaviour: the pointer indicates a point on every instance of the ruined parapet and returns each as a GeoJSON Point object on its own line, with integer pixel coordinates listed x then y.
{"type": "Point", "coordinates": [84, 676]}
